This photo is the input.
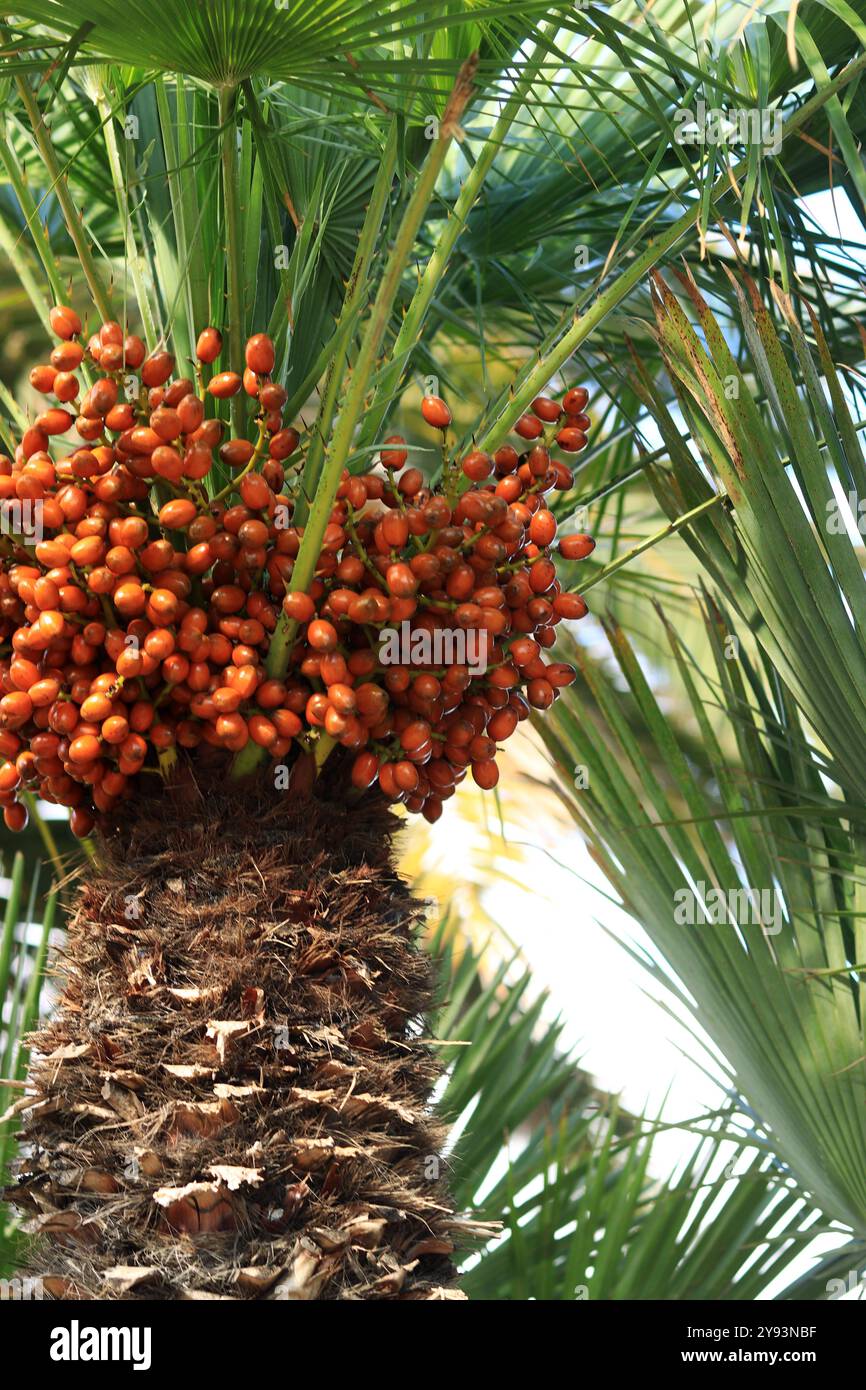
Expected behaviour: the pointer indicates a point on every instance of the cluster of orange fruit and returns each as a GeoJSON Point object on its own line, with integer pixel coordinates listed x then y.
{"type": "Point", "coordinates": [138, 616]}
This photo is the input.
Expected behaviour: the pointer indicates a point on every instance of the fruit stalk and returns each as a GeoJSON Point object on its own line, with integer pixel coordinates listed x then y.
{"type": "Point", "coordinates": [355, 290]}
{"type": "Point", "coordinates": [669, 530]}
{"type": "Point", "coordinates": [31, 217]}
{"type": "Point", "coordinates": [11, 248]}
{"type": "Point", "coordinates": [119, 178]}
{"type": "Point", "coordinates": [416, 313]}
{"type": "Point", "coordinates": [234, 268]}
{"type": "Point", "coordinates": [60, 187]}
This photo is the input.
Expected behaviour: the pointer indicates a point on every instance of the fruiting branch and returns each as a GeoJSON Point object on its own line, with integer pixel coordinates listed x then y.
{"type": "Point", "coordinates": [32, 219]}
{"type": "Point", "coordinates": [416, 313]}
{"type": "Point", "coordinates": [11, 248]}
{"type": "Point", "coordinates": [355, 292]}
{"type": "Point", "coordinates": [669, 530]}
{"type": "Point", "coordinates": [60, 187]}
{"type": "Point", "coordinates": [121, 193]}
{"type": "Point", "coordinates": [234, 243]}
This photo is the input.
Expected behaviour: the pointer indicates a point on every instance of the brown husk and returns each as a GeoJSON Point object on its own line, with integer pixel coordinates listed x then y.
{"type": "Point", "coordinates": [232, 1098]}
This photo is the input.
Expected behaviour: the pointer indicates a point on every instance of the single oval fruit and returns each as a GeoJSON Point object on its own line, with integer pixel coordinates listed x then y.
{"type": "Point", "coordinates": [64, 321]}
{"type": "Point", "coordinates": [42, 379]}
{"type": "Point", "coordinates": [571, 440]}
{"type": "Point", "coordinates": [177, 514]}
{"type": "Point", "coordinates": [546, 409]}
{"type": "Point", "coordinates": [575, 401]}
{"type": "Point", "coordinates": [542, 527]}
{"type": "Point", "coordinates": [284, 443]}
{"type": "Point", "coordinates": [236, 452]}
{"type": "Point", "coordinates": [396, 454]}
{"type": "Point", "coordinates": [570, 606]}
{"type": "Point", "coordinates": [157, 369]}
{"type": "Point", "coordinates": [477, 465]}
{"type": "Point", "coordinates": [576, 547]}
{"type": "Point", "coordinates": [436, 412]}
{"type": "Point", "coordinates": [299, 606]}
{"type": "Point", "coordinates": [54, 421]}
{"type": "Point", "coordinates": [209, 345]}
{"type": "Point", "coordinates": [224, 385]}
{"type": "Point", "coordinates": [259, 354]}
{"type": "Point", "coordinates": [85, 749]}
{"type": "Point", "coordinates": [365, 770]}
{"type": "Point", "coordinates": [528, 427]}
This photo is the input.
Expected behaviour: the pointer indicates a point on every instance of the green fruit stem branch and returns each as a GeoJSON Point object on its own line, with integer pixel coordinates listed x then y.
{"type": "Point", "coordinates": [32, 220]}
{"type": "Point", "coordinates": [349, 313]}
{"type": "Point", "coordinates": [234, 245]}
{"type": "Point", "coordinates": [661, 535]}
{"type": "Point", "coordinates": [121, 191]}
{"type": "Point", "coordinates": [416, 313]}
{"type": "Point", "coordinates": [60, 187]}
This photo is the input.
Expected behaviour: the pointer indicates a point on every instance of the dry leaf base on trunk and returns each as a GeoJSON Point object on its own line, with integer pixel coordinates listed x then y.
{"type": "Point", "coordinates": [232, 1099]}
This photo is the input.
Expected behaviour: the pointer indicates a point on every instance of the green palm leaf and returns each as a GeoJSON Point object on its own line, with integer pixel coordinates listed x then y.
{"type": "Point", "coordinates": [568, 1174]}
{"type": "Point", "coordinates": [226, 41]}
{"type": "Point", "coordinates": [23, 948]}
{"type": "Point", "coordinates": [773, 554]}
{"type": "Point", "coordinates": [774, 980]}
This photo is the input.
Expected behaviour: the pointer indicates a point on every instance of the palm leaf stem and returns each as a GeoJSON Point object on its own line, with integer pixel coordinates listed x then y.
{"type": "Point", "coordinates": [60, 186]}
{"type": "Point", "coordinates": [234, 245]}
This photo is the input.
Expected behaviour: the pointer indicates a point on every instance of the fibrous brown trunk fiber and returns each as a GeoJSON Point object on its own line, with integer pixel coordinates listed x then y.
{"type": "Point", "coordinates": [232, 1098]}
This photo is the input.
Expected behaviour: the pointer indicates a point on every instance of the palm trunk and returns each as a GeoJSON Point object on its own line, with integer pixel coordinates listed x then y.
{"type": "Point", "coordinates": [232, 1099]}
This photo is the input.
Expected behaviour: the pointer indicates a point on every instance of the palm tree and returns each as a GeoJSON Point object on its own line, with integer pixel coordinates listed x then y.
{"type": "Point", "coordinates": [232, 1097]}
